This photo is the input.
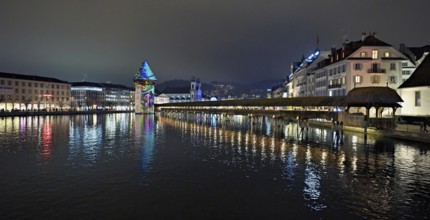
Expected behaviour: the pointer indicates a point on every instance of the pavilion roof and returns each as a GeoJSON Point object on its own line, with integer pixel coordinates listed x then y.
{"type": "Point", "coordinates": [373, 96]}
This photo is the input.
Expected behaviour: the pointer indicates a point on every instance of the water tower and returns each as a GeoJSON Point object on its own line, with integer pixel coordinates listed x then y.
{"type": "Point", "coordinates": [144, 81]}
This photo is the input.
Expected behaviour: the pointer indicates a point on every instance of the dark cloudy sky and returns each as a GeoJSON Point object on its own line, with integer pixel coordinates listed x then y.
{"type": "Point", "coordinates": [227, 40]}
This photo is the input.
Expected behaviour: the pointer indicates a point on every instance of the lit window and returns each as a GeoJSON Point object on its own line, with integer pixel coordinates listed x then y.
{"type": "Point", "coordinates": [374, 54]}
{"type": "Point", "coordinates": [387, 54]}
{"type": "Point", "coordinates": [357, 79]}
{"type": "Point", "coordinates": [417, 98]}
{"type": "Point", "coordinates": [363, 54]}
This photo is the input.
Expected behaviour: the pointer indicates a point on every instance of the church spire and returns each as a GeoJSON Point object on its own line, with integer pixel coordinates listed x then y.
{"type": "Point", "coordinates": [145, 73]}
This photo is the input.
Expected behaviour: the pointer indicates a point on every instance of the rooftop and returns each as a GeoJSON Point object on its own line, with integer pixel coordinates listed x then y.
{"type": "Point", "coordinates": [420, 77]}
{"type": "Point", "coordinates": [30, 77]}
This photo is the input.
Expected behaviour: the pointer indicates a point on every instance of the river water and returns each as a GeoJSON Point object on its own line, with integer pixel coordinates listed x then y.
{"type": "Point", "coordinates": [194, 166]}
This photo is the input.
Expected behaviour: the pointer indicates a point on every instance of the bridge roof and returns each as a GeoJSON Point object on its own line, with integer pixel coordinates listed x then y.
{"type": "Point", "coordinates": [358, 97]}
{"type": "Point", "coordinates": [298, 101]}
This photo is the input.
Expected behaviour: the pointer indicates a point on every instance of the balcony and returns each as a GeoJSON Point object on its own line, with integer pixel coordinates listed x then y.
{"type": "Point", "coordinates": [377, 70]}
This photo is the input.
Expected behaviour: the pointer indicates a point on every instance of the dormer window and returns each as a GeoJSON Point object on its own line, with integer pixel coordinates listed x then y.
{"type": "Point", "coordinates": [387, 54]}
{"type": "Point", "coordinates": [374, 54]}
{"type": "Point", "coordinates": [363, 54]}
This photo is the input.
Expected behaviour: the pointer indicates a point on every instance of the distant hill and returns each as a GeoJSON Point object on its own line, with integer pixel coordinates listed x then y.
{"type": "Point", "coordinates": [225, 89]}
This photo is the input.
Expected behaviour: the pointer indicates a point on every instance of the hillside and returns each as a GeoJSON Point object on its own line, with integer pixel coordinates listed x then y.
{"type": "Point", "coordinates": [225, 89]}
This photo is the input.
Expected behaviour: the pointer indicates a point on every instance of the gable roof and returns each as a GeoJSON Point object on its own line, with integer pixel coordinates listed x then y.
{"type": "Point", "coordinates": [372, 41]}
{"type": "Point", "coordinates": [418, 52]}
{"type": "Point", "coordinates": [349, 48]}
{"type": "Point", "coordinates": [420, 77]}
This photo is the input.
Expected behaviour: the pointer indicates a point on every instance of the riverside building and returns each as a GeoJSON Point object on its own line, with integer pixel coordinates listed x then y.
{"type": "Point", "coordinates": [98, 96]}
{"type": "Point", "coordinates": [368, 62]}
{"type": "Point", "coordinates": [19, 92]}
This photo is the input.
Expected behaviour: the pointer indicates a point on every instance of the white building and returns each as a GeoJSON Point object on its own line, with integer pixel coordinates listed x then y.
{"type": "Point", "coordinates": [303, 77]}
{"type": "Point", "coordinates": [28, 92]}
{"type": "Point", "coordinates": [415, 91]}
{"type": "Point", "coordinates": [369, 62]}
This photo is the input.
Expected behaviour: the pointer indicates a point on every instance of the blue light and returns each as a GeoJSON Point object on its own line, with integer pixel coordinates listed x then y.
{"type": "Point", "coordinates": [317, 53]}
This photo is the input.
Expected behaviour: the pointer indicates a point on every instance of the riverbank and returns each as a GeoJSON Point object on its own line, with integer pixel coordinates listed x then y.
{"type": "Point", "coordinates": [43, 113]}
{"type": "Point", "coordinates": [407, 132]}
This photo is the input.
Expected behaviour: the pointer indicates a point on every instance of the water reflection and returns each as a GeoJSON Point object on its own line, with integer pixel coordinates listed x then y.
{"type": "Point", "coordinates": [321, 161]}
{"type": "Point", "coordinates": [46, 151]}
{"type": "Point", "coordinates": [111, 164]}
{"type": "Point", "coordinates": [144, 129]}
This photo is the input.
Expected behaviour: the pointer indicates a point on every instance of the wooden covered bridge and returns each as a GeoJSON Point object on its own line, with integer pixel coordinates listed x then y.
{"type": "Point", "coordinates": [351, 109]}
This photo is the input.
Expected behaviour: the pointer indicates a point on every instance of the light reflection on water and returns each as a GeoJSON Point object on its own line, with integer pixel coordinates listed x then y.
{"type": "Point", "coordinates": [325, 161]}
{"type": "Point", "coordinates": [118, 165]}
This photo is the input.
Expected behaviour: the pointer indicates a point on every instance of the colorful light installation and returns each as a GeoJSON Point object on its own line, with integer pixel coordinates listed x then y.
{"type": "Point", "coordinates": [144, 81]}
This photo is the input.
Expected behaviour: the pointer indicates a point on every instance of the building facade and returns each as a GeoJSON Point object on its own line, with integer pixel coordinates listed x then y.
{"type": "Point", "coordinates": [27, 92]}
{"type": "Point", "coordinates": [368, 62]}
{"type": "Point", "coordinates": [88, 96]}
{"type": "Point", "coordinates": [117, 97]}
{"type": "Point", "coordinates": [101, 96]}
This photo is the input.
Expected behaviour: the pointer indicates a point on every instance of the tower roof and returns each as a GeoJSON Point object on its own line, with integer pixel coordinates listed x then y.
{"type": "Point", "coordinates": [145, 73]}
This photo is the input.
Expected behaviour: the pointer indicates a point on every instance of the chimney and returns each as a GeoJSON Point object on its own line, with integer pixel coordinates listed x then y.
{"type": "Point", "coordinates": [363, 36]}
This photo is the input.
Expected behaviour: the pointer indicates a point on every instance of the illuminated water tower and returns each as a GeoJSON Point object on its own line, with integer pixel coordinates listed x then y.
{"type": "Point", "coordinates": [144, 81]}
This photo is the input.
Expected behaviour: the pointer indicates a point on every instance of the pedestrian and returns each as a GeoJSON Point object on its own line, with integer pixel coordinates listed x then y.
{"type": "Point", "coordinates": [425, 127]}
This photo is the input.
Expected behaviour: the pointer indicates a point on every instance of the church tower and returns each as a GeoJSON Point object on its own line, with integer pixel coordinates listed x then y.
{"type": "Point", "coordinates": [144, 81]}
{"type": "Point", "coordinates": [195, 90]}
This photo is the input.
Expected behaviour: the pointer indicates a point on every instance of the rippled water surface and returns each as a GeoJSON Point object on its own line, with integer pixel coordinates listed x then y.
{"type": "Point", "coordinates": [193, 166]}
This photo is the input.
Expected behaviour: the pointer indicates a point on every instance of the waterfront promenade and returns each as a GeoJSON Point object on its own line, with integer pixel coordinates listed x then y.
{"type": "Point", "coordinates": [408, 132]}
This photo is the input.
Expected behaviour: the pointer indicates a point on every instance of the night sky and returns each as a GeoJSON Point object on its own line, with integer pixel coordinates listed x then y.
{"type": "Point", "coordinates": [241, 41]}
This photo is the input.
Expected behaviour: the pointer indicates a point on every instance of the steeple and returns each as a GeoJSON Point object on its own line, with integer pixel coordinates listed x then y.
{"type": "Point", "coordinates": [145, 73]}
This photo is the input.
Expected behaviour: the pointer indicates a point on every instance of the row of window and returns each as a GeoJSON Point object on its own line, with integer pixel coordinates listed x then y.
{"type": "Point", "coordinates": [375, 54]}
{"type": "Point", "coordinates": [374, 79]}
{"type": "Point", "coordinates": [30, 91]}
{"type": "Point", "coordinates": [337, 70]}
{"type": "Point", "coordinates": [374, 66]}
